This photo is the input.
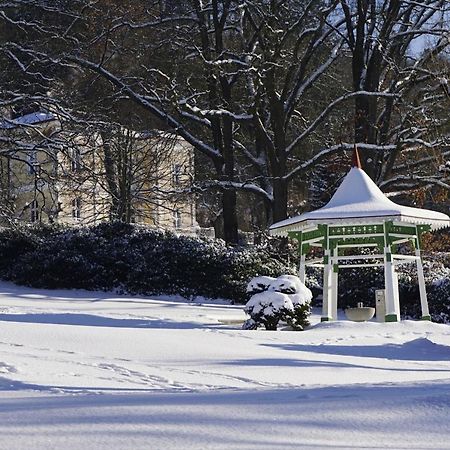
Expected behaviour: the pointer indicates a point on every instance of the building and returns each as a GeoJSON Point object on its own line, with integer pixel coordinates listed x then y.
{"type": "Point", "coordinates": [51, 174]}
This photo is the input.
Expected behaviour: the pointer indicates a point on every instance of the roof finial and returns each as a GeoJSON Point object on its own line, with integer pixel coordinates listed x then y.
{"type": "Point", "coordinates": [356, 162]}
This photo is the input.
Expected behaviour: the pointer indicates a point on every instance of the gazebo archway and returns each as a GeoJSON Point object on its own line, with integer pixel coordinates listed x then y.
{"type": "Point", "coordinates": [358, 216]}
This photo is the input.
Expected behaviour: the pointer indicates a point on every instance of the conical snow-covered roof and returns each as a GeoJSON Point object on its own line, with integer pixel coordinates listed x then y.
{"type": "Point", "coordinates": [358, 200]}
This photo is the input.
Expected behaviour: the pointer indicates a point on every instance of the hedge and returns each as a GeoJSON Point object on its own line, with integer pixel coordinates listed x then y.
{"type": "Point", "coordinates": [133, 259]}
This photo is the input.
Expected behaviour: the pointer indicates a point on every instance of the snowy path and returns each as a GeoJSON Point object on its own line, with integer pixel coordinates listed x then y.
{"type": "Point", "coordinates": [101, 371]}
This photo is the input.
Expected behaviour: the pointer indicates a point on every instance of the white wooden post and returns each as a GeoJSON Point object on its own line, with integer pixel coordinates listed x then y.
{"type": "Point", "coordinates": [396, 294]}
{"type": "Point", "coordinates": [422, 290]}
{"type": "Point", "coordinates": [391, 288]}
{"type": "Point", "coordinates": [327, 288]}
{"type": "Point", "coordinates": [334, 284]}
{"type": "Point", "coordinates": [301, 270]}
{"type": "Point", "coordinates": [390, 280]}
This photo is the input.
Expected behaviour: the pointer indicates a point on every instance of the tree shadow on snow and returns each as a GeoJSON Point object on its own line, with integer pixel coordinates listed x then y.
{"type": "Point", "coordinates": [90, 320]}
{"type": "Point", "coordinates": [421, 349]}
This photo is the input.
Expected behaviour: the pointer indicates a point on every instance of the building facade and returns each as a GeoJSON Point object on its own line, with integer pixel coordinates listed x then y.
{"type": "Point", "coordinates": [49, 174]}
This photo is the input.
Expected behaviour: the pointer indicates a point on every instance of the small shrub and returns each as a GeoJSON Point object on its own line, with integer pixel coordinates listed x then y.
{"type": "Point", "coordinates": [268, 308]}
{"type": "Point", "coordinates": [298, 317]}
{"type": "Point", "coordinates": [284, 298]}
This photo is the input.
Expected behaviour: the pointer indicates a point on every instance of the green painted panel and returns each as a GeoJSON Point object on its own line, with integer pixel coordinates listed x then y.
{"type": "Point", "coordinates": [426, 318]}
{"type": "Point", "coordinates": [423, 228]}
{"type": "Point", "coordinates": [358, 241]}
{"type": "Point", "coordinates": [324, 229]}
{"type": "Point", "coordinates": [325, 319]}
{"type": "Point", "coordinates": [297, 235]}
{"type": "Point", "coordinates": [390, 318]}
{"type": "Point", "coordinates": [313, 234]}
{"type": "Point", "coordinates": [387, 229]}
{"type": "Point", "coordinates": [356, 229]}
{"type": "Point", "coordinates": [401, 229]}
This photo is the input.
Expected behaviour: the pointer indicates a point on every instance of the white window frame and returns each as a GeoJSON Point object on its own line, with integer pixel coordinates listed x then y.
{"type": "Point", "coordinates": [177, 222]}
{"type": "Point", "coordinates": [75, 160]}
{"type": "Point", "coordinates": [76, 208]}
{"type": "Point", "coordinates": [177, 170]}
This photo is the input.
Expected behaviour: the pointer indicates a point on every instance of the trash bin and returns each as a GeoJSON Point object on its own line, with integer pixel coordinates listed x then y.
{"type": "Point", "coordinates": [380, 305]}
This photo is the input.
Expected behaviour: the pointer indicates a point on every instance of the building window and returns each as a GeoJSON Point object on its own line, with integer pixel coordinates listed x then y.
{"type": "Point", "coordinates": [32, 162]}
{"type": "Point", "coordinates": [34, 211]}
{"type": "Point", "coordinates": [176, 173]}
{"type": "Point", "coordinates": [76, 160]}
{"type": "Point", "coordinates": [76, 208]}
{"type": "Point", "coordinates": [177, 219]}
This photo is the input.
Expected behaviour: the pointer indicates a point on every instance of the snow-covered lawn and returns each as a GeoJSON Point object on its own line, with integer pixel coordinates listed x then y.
{"type": "Point", "coordinates": [95, 370]}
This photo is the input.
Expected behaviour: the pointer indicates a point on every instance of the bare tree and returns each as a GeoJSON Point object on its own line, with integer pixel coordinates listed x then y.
{"type": "Point", "coordinates": [258, 87]}
{"type": "Point", "coordinates": [395, 47]}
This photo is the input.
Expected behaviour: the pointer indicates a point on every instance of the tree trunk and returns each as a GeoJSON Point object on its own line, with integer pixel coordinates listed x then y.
{"type": "Point", "coordinates": [230, 223]}
{"type": "Point", "coordinates": [280, 200]}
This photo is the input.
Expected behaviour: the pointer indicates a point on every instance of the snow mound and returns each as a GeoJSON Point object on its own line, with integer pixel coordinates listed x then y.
{"type": "Point", "coordinates": [259, 284]}
{"type": "Point", "coordinates": [268, 303]}
{"type": "Point", "coordinates": [291, 284]}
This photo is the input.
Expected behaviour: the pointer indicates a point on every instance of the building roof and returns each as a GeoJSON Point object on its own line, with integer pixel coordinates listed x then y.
{"type": "Point", "coordinates": [28, 119]}
{"type": "Point", "coordinates": [358, 200]}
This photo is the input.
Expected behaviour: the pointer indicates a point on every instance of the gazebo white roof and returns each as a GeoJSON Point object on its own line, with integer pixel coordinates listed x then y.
{"type": "Point", "coordinates": [358, 200]}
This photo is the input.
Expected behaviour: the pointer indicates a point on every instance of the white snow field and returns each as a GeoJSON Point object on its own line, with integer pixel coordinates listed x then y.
{"type": "Point", "coordinates": [85, 370]}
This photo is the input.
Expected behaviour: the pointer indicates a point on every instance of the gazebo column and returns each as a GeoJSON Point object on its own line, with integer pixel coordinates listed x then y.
{"type": "Point", "coordinates": [390, 280]}
{"type": "Point", "coordinates": [421, 280]}
{"type": "Point", "coordinates": [302, 267]}
{"type": "Point", "coordinates": [422, 290]}
{"type": "Point", "coordinates": [327, 293]}
{"type": "Point", "coordinates": [334, 284]}
{"type": "Point", "coordinates": [391, 288]}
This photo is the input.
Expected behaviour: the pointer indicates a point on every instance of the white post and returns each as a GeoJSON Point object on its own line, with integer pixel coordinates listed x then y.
{"type": "Point", "coordinates": [422, 291]}
{"type": "Point", "coordinates": [301, 270]}
{"type": "Point", "coordinates": [334, 284]}
{"type": "Point", "coordinates": [391, 288]}
{"type": "Point", "coordinates": [327, 291]}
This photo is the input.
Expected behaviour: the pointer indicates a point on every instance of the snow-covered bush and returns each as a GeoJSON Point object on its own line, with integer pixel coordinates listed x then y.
{"type": "Point", "coordinates": [266, 294]}
{"type": "Point", "coordinates": [17, 242]}
{"type": "Point", "coordinates": [132, 259]}
{"type": "Point", "coordinates": [259, 284]}
{"type": "Point", "coordinates": [300, 297]}
{"type": "Point", "coordinates": [268, 308]}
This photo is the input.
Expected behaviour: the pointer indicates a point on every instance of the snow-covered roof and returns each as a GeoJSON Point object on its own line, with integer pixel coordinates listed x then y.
{"type": "Point", "coordinates": [28, 119]}
{"type": "Point", "coordinates": [358, 200]}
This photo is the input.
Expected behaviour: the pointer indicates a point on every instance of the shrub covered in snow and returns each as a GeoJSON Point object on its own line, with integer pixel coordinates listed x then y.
{"type": "Point", "coordinates": [284, 298]}
{"type": "Point", "coordinates": [259, 284]}
{"type": "Point", "coordinates": [132, 259]}
{"type": "Point", "coordinates": [268, 308]}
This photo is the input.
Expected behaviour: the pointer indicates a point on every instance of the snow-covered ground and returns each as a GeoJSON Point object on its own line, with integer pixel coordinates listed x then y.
{"type": "Point", "coordinates": [100, 371]}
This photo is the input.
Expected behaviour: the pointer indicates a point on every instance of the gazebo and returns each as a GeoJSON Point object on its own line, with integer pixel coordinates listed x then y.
{"type": "Point", "coordinates": [360, 216]}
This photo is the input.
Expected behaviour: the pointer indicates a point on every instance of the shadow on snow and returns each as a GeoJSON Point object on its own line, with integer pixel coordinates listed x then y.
{"type": "Point", "coordinates": [90, 320]}
{"type": "Point", "coordinates": [421, 349]}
